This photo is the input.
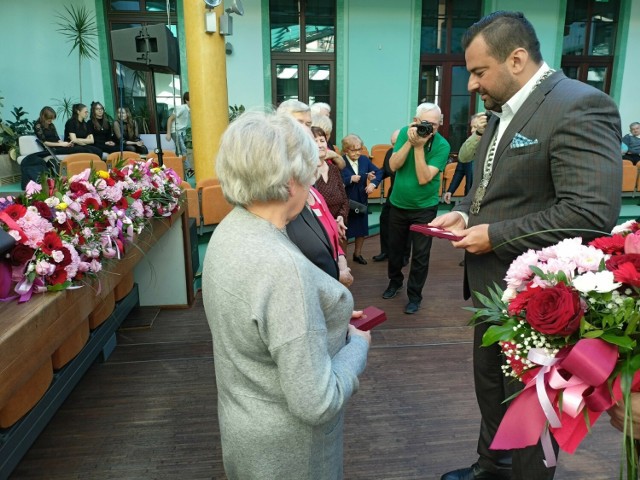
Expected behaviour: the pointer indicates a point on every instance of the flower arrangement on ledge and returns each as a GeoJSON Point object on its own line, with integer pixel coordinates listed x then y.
{"type": "Point", "coordinates": [65, 228]}
{"type": "Point", "coordinates": [568, 325]}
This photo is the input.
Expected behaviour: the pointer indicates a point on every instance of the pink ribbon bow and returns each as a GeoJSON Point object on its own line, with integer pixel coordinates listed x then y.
{"type": "Point", "coordinates": [580, 373]}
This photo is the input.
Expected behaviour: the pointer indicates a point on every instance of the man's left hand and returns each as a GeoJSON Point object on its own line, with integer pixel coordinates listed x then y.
{"type": "Point", "coordinates": [476, 239]}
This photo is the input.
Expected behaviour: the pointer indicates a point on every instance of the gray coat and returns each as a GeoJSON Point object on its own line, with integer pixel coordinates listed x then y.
{"type": "Point", "coordinates": [284, 370]}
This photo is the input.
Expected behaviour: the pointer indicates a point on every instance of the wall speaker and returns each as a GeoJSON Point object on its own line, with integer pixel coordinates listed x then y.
{"type": "Point", "coordinates": [148, 48]}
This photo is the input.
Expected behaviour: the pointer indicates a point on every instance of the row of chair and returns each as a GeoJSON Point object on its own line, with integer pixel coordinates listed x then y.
{"type": "Point", "coordinates": [206, 203]}
{"type": "Point", "coordinates": [77, 162]}
{"type": "Point", "coordinates": [630, 178]}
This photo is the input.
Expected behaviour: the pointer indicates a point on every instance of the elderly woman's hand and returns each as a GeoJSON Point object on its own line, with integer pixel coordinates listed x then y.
{"type": "Point", "coordinates": [342, 228]}
{"type": "Point", "coordinates": [360, 333]}
{"type": "Point", "coordinates": [617, 414]}
{"type": "Point", "coordinates": [345, 272]}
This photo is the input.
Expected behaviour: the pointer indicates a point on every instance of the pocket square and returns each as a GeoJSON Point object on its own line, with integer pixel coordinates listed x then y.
{"type": "Point", "coordinates": [520, 141]}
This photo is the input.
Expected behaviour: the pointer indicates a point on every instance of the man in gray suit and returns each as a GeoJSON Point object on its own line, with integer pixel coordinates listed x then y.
{"type": "Point", "coordinates": [548, 164]}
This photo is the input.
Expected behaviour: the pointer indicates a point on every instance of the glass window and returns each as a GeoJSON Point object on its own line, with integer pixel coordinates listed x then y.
{"type": "Point", "coordinates": [429, 87]}
{"type": "Point", "coordinates": [597, 77]}
{"type": "Point", "coordinates": [285, 25]}
{"type": "Point", "coordinates": [287, 85]}
{"type": "Point", "coordinates": [588, 47]}
{"type": "Point", "coordinates": [319, 83]}
{"type": "Point", "coordinates": [124, 5]}
{"type": "Point", "coordinates": [160, 5]}
{"type": "Point", "coordinates": [590, 27]}
{"type": "Point", "coordinates": [444, 22]}
{"type": "Point", "coordinates": [319, 26]}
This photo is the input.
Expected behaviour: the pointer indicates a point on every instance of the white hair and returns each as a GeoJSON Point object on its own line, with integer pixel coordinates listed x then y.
{"type": "Point", "coordinates": [260, 153]}
{"type": "Point", "coordinates": [318, 108]}
{"type": "Point", "coordinates": [427, 107]}
{"type": "Point", "coordinates": [292, 106]}
{"type": "Point", "coordinates": [323, 122]}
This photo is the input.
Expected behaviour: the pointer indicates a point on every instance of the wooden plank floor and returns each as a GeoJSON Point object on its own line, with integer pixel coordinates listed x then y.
{"type": "Point", "coordinates": [149, 412]}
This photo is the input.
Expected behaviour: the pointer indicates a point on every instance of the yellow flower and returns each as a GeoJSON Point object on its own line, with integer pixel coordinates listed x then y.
{"type": "Point", "coordinates": [156, 169]}
{"type": "Point", "coordinates": [61, 206]}
{"type": "Point", "coordinates": [103, 174]}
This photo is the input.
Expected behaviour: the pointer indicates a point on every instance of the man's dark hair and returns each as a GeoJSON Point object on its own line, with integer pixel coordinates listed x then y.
{"type": "Point", "coordinates": [504, 32]}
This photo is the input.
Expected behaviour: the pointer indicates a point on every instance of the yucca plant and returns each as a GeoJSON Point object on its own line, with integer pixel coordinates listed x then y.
{"type": "Point", "coordinates": [80, 29]}
{"type": "Point", "coordinates": [63, 107]}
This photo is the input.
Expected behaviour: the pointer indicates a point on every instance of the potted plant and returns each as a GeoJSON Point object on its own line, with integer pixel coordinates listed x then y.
{"type": "Point", "coordinates": [79, 26]}
{"type": "Point", "coordinates": [11, 131]}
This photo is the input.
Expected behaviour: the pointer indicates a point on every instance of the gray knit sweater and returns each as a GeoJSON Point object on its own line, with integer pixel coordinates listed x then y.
{"type": "Point", "coordinates": [284, 369]}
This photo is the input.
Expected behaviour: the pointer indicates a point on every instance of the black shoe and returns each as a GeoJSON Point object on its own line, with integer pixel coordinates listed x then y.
{"type": "Point", "coordinates": [391, 292]}
{"type": "Point", "coordinates": [412, 307]}
{"type": "Point", "coordinates": [405, 261]}
{"type": "Point", "coordinates": [359, 259]}
{"type": "Point", "coordinates": [475, 472]}
{"type": "Point", "coordinates": [380, 257]}
{"type": "Point", "coordinates": [190, 172]}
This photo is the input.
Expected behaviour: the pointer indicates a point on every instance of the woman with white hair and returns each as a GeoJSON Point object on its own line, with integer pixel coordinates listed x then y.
{"type": "Point", "coordinates": [286, 359]}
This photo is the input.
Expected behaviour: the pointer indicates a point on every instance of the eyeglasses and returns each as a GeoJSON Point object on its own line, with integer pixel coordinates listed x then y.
{"type": "Point", "coordinates": [354, 149]}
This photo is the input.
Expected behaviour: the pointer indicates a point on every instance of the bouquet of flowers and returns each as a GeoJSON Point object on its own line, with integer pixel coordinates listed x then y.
{"type": "Point", "coordinates": [568, 325]}
{"type": "Point", "coordinates": [65, 228]}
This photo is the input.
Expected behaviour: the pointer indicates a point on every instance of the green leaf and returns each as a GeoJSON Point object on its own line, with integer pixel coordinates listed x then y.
{"type": "Point", "coordinates": [496, 333]}
{"type": "Point", "coordinates": [593, 334]}
{"type": "Point", "coordinates": [623, 341]}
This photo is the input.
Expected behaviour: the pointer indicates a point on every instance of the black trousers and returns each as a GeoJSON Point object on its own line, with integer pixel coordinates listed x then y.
{"type": "Point", "coordinates": [384, 231]}
{"type": "Point", "coordinates": [492, 388]}
{"type": "Point", "coordinates": [400, 220]}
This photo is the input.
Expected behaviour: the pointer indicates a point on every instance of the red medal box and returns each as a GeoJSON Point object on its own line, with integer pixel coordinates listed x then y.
{"type": "Point", "coordinates": [434, 232]}
{"type": "Point", "coordinates": [371, 316]}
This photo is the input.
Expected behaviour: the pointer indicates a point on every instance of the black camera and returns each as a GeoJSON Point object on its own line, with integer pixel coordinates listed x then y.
{"type": "Point", "coordinates": [424, 129]}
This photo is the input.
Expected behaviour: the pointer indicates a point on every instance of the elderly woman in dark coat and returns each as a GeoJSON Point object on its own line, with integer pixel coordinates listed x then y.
{"type": "Point", "coordinates": [286, 359]}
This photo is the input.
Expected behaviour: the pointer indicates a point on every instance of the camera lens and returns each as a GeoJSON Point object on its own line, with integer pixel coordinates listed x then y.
{"type": "Point", "coordinates": [424, 129]}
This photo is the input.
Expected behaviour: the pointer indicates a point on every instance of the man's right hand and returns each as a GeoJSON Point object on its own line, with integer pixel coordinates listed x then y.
{"type": "Point", "coordinates": [355, 178]}
{"type": "Point", "coordinates": [481, 123]}
{"type": "Point", "coordinates": [451, 221]}
{"type": "Point", "coordinates": [447, 198]}
{"type": "Point", "coordinates": [168, 136]}
{"type": "Point", "coordinates": [414, 139]}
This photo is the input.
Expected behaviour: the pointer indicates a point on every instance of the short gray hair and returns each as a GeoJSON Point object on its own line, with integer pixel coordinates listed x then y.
{"type": "Point", "coordinates": [317, 108]}
{"type": "Point", "coordinates": [323, 122]}
{"type": "Point", "coordinates": [292, 106]}
{"type": "Point", "coordinates": [427, 107]}
{"type": "Point", "coordinates": [260, 153]}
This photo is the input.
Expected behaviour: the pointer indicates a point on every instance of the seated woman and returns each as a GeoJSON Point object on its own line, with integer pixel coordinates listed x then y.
{"type": "Point", "coordinates": [125, 130]}
{"type": "Point", "coordinates": [100, 128]}
{"type": "Point", "coordinates": [46, 132]}
{"type": "Point", "coordinates": [76, 130]}
{"type": "Point", "coordinates": [359, 169]}
{"type": "Point", "coordinates": [286, 358]}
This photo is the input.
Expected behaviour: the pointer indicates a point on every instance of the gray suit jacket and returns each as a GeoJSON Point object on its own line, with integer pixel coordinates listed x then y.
{"type": "Point", "coordinates": [539, 194]}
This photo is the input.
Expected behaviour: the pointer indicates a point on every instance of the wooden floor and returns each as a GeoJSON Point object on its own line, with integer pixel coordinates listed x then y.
{"type": "Point", "coordinates": [149, 412]}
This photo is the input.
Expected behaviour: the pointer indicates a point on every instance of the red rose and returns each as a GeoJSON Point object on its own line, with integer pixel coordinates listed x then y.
{"type": "Point", "coordinates": [21, 254]}
{"type": "Point", "coordinates": [136, 194]}
{"type": "Point", "coordinates": [66, 257]}
{"type": "Point", "coordinates": [78, 188]}
{"type": "Point", "coordinates": [43, 209]}
{"type": "Point", "coordinates": [555, 310]}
